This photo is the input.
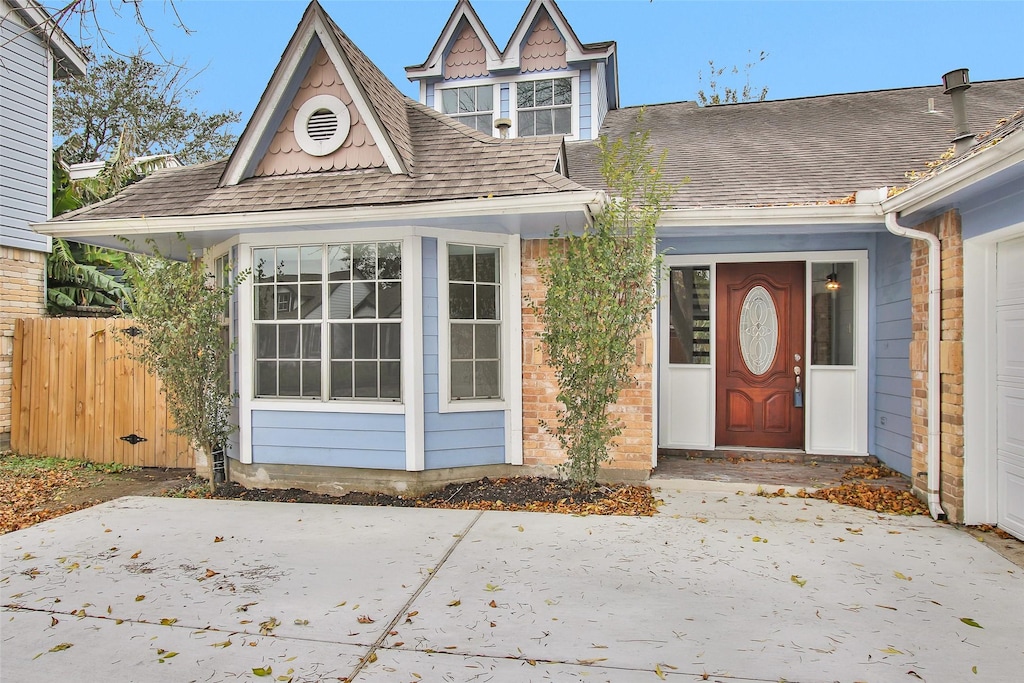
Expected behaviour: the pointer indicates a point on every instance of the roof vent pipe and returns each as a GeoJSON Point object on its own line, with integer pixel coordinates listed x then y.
{"type": "Point", "coordinates": [956, 83]}
{"type": "Point", "coordinates": [503, 125]}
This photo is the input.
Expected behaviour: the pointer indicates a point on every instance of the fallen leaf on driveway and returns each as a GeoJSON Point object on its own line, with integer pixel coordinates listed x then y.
{"type": "Point", "coordinates": [260, 671]}
{"type": "Point", "coordinates": [364, 619]}
{"type": "Point", "coordinates": [971, 622]}
{"type": "Point", "coordinates": [798, 581]}
{"type": "Point", "coordinates": [902, 577]}
{"type": "Point", "coordinates": [891, 651]}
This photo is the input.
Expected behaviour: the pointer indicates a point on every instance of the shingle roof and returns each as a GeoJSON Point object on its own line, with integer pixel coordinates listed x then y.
{"type": "Point", "coordinates": [450, 161]}
{"type": "Point", "coordinates": [798, 151]}
{"type": "Point", "coordinates": [386, 100]}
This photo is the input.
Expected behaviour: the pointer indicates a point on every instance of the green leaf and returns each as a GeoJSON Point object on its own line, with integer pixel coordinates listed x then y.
{"type": "Point", "coordinates": [260, 671]}
{"type": "Point", "coordinates": [971, 622]}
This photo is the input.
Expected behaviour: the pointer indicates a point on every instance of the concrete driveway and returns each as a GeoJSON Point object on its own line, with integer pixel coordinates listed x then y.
{"type": "Point", "coordinates": [719, 587]}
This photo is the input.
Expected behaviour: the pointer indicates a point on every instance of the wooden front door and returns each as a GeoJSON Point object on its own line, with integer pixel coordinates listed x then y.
{"type": "Point", "coordinates": [759, 354]}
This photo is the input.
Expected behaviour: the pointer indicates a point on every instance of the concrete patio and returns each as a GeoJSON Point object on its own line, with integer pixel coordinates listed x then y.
{"type": "Point", "coordinates": [719, 584]}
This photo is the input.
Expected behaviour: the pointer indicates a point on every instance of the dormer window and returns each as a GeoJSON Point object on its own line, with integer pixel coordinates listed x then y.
{"type": "Point", "coordinates": [544, 107]}
{"type": "Point", "coordinates": [472, 106]}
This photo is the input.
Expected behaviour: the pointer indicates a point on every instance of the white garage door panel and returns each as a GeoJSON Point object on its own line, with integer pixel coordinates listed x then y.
{"type": "Point", "coordinates": [1010, 272]}
{"type": "Point", "coordinates": [1010, 422]}
{"type": "Point", "coordinates": [1011, 496]}
{"type": "Point", "coordinates": [1010, 343]}
{"type": "Point", "coordinates": [1009, 313]}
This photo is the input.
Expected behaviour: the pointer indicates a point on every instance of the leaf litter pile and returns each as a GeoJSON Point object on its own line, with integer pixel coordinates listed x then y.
{"type": "Point", "coordinates": [28, 496]}
{"type": "Point", "coordinates": [880, 498]}
{"type": "Point", "coordinates": [529, 494]}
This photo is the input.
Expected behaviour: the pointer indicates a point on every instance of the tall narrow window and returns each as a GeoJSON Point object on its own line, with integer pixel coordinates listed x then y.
{"type": "Point", "coordinates": [339, 302]}
{"type": "Point", "coordinates": [365, 316]}
{"type": "Point", "coordinates": [473, 106]}
{"type": "Point", "coordinates": [544, 107]}
{"type": "Point", "coordinates": [222, 276]}
{"type": "Point", "coordinates": [288, 320]}
{"type": "Point", "coordinates": [690, 315]}
{"type": "Point", "coordinates": [474, 313]}
{"type": "Point", "coordinates": [832, 313]}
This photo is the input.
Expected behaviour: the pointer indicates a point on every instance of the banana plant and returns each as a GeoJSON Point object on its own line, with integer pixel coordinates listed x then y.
{"type": "Point", "coordinates": [81, 274]}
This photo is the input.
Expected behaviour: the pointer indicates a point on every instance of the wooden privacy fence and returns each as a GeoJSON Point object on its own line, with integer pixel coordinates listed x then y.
{"type": "Point", "coordinates": [76, 395]}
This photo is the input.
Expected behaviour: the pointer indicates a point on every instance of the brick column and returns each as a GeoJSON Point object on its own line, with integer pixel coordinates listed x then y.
{"type": "Point", "coordinates": [947, 228]}
{"type": "Point", "coordinates": [632, 449]}
{"type": "Point", "coordinates": [22, 295]}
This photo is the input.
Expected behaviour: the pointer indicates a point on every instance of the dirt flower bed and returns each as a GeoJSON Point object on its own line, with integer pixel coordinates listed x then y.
{"type": "Point", "coordinates": [530, 494]}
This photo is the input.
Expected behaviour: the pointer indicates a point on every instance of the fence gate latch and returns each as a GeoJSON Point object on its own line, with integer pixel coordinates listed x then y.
{"type": "Point", "coordinates": [134, 439]}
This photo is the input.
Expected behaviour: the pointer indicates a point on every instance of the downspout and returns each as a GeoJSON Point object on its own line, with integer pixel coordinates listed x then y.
{"type": "Point", "coordinates": [934, 415]}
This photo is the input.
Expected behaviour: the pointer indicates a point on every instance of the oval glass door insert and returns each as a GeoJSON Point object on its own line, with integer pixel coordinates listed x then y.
{"type": "Point", "coordinates": [759, 330]}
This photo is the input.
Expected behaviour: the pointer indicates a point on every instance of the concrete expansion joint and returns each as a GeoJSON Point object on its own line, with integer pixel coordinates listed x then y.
{"type": "Point", "coordinates": [366, 658]}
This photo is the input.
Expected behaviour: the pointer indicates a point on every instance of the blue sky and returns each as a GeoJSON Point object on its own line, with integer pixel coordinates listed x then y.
{"type": "Point", "coordinates": [814, 48]}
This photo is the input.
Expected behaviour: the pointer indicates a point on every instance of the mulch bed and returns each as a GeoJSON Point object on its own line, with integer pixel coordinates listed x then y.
{"type": "Point", "coordinates": [530, 494]}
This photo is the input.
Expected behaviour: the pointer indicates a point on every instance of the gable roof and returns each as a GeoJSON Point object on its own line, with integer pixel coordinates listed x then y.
{"type": "Point", "coordinates": [508, 58]}
{"type": "Point", "coordinates": [575, 49]}
{"type": "Point", "coordinates": [433, 65]}
{"type": "Point", "coordinates": [798, 151]}
{"type": "Point", "coordinates": [379, 102]}
{"type": "Point", "coordinates": [70, 60]}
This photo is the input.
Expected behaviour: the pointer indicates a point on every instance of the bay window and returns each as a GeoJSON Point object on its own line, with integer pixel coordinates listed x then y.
{"type": "Point", "coordinates": [328, 321]}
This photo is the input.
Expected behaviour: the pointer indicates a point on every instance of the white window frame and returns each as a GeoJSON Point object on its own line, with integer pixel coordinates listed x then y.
{"type": "Point", "coordinates": [508, 300]}
{"type": "Point", "coordinates": [412, 329]}
{"type": "Point", "coordinates": [574, 105]}
{"type": "Point", "coordinates": [325, 322]}
{"type": "Point", "coordinates": [474, 83]}
{"type": "Point", "coordinates": [573, 75]}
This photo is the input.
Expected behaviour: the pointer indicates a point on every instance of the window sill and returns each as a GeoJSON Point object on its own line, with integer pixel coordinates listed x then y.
{"type": "Point", "coordinates": [471, 406]}
{"type": "Point", "coordinates": [314, 406]}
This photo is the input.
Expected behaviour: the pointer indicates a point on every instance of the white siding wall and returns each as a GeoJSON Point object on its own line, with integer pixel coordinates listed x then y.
{"type": "Point", "coordinates": [24, 134]}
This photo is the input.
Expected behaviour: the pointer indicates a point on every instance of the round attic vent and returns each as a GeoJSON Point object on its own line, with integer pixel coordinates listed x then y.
{"type": "Point", "coordinates": [321, 125]}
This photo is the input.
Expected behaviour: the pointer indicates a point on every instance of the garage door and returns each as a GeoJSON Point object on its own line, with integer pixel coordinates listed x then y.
{"type": "Point", "coordinates": [1010, 385]}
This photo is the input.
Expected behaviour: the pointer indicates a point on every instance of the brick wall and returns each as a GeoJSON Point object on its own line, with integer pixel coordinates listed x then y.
{"type": "Point", "coordinates": [948, 229]}
{"type": "Point", "coordinates": [22, 295]}
{"type": "Point", "coordinates": [632, 449]}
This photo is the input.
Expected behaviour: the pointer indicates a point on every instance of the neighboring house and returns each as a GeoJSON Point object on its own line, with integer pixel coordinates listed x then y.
{"type": "Point", "coordinates": [33, 52]}
{"type": "Point", "coordinates": [385, 337]}
{"type": "Point", "coordinates": [146, 165]}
